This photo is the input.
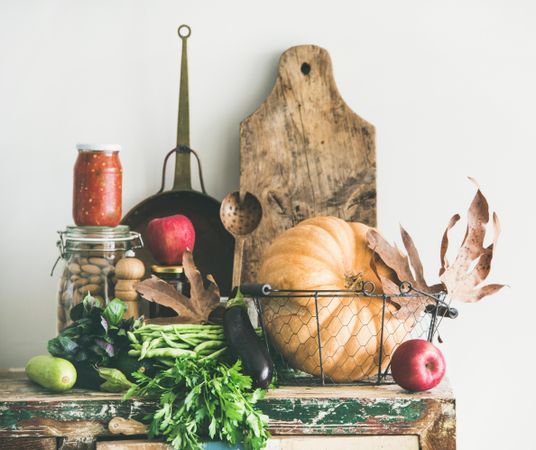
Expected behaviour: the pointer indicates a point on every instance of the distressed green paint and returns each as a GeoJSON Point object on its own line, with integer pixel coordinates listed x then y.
{"type": "Point", "coordinates": [9, 419]}
{"type": "Point", "coordinates": [318, 415]}
{"type": "Point", "coordinates": [93, 410]}
{"type": "Point", "coordinates": [321, 413]}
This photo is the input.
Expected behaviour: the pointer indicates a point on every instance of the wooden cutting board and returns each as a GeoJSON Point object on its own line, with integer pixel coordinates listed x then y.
{"type": "Point", "coordinates": [305, 153]}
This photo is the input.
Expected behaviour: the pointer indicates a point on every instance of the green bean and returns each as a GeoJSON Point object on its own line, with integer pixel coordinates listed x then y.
{"type": "Point", "coordinates": [155, 343]}
{"type": "Point", "coordinates": [166, 362]}
{"type": "Point", "coordinates": [214, 354]}
{"type": "Point", "coordinates": [168, 353]}
{"type": "Point", "coordinates": [151, 335]}
{"type": "Point", "coordinates": [132, 337]}
{"type": "Point", "coordinates": [134, 352]}
{"type": "Point", "coordinates": [170, 342]}
{"type": "Point", "coordinates": [144, 349]}
{"type": "Point", "coordinates": [209, 344]}
{"type": "Point", "coordinates": [191, 335]}
{"type": "Point", "coordinates": [191, 342]}
{"type": "Point", "coordinates": [180, 327]}
{"type": "Point", "coordinates": [192, 338]}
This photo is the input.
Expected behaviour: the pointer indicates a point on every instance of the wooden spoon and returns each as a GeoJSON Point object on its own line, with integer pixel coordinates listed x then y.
{"type": "Point", "coordinates": [240, 215]}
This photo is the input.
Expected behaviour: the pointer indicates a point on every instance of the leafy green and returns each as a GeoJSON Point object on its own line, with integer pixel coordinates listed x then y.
{"type": "Point", "coordinates": [95, 338]}
{"type": "Point", "coordinates": [203, 397]}
{"type": "Point", "coordinates": [114, 312]}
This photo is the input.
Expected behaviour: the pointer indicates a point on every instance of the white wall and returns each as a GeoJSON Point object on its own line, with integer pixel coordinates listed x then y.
{"type": "Point", "coordinates": [449, 86]}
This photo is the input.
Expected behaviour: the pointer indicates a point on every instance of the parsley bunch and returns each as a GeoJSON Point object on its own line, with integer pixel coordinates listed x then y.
{"type": "Point", "coordinates": [203, 397]}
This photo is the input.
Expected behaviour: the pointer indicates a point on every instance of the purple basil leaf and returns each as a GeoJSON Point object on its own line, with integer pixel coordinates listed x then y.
{"type": "Point", "coordinates": [107, 347]}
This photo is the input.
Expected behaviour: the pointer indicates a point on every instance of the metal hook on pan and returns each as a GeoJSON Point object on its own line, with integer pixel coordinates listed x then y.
{"type": "Point", "coordinates": [182, 149]}
{"type": "Point", "coordinates": [184, 35]}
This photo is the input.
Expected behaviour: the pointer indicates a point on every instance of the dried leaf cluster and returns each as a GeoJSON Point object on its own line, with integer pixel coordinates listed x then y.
{"type": "Point", "coordinates": [402, 265]}
{"type": "Point", "coordinates": [195, 309]}
{"type": "Point", "coordinates": [462, 278]}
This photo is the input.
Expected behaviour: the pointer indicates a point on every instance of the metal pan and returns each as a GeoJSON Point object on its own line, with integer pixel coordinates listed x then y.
{"type": "Point", "coordinates": [214, 246]}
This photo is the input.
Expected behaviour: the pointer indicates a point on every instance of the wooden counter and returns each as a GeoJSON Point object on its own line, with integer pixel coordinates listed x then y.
{"type": "Point", "coordinates": [334, 417]}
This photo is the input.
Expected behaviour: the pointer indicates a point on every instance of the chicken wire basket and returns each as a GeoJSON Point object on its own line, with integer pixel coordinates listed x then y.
{"type": "Point", "coordinates": [318, 337]}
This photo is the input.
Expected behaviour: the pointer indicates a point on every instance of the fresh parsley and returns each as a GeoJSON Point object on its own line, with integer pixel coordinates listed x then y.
{"type": "Point", "coordinates": [203, 398]}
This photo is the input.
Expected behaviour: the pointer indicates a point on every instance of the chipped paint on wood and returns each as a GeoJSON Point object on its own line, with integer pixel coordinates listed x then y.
{"type": "Point", "coordinates": [335, 415]}
{"type": "Point", "coordinates": [52, 418]}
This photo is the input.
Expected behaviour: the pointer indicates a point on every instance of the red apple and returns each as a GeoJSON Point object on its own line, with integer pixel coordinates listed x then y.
{"type": "Point", "coordinates": [168, 237]}
{"type": "Point", "coordinates": [417, 365]}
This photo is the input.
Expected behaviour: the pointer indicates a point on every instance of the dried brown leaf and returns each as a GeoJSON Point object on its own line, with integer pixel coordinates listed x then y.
{"type": "Point", "coordinates": [390, 255]}
{"type": "Point", "coordinates": [445, 243]}
{"type": "Point", "coordinates": [158, 291]}
{"type": "Point", "coordinates": [389, 287]}
{"type": "Point", "coordinates": [414, 258]}
{"type": "Point", "coordinates": [399, 262]}
{"type": "Point", "coordinates": [410, 309]}
{"type": "Point", "coordinates": [202, 300]}
{"type": "Point", "coordinates": [170, 320]}
{"type": "Point", "coordinates": [195, 309]}
{"type": "Point", "coordinates": [461, 281]}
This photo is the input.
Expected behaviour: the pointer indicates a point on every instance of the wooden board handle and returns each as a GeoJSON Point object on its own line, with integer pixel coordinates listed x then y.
{"type": "Point", "coordinates": [306, 71]}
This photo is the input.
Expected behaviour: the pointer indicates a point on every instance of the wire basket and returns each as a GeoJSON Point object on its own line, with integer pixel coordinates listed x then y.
{"type": "Point", "coordinates": [343, 336]}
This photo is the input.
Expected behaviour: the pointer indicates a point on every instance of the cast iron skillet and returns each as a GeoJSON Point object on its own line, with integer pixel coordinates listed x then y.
{"type": "Point", "coordinates": [214, 246]}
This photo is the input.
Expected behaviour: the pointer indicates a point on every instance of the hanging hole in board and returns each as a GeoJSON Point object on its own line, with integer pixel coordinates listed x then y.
{"type": "Point", "coordinates": [305, 68]}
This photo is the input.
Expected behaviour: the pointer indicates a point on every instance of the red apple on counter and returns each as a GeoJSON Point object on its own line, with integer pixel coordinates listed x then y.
{"type": "Point", "coordinates": [168, 237]}
{"type": "Point", "coordinates": [417, 365]}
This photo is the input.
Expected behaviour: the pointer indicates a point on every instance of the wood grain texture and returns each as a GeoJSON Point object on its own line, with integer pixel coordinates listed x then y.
{"type": "Point", "coordinates": [344, 443]}
{"type": "Point", "coordinates": [305, 153]}
{"type": "Point", "coordinates": [78, 443]}
{"type": "Point", "coordinates": [133, 445]}
{"type": "Point", "coordinates": [28, 444]}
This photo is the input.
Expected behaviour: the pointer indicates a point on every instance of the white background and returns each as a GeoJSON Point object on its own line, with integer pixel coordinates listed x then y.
{"type": "Point", "coordinates": [450, 87]}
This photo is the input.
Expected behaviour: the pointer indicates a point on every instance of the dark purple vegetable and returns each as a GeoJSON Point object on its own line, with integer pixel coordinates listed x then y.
{"type": "Point", "coordinates": [246, 345]}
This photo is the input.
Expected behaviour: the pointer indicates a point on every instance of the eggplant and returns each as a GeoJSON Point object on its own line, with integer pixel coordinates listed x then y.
{"type": "Point", "coordinates": [245, 344]}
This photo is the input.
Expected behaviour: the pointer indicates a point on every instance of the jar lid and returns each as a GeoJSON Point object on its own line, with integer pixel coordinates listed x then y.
{"type": "Point", "coordinates": [99, 147]}
{"type": "Point", "coordinates": [166, 269]}
{"type": "Point", "coordinates": [74, 235]}
{"type": "Point", "coordinates": [97, 234]}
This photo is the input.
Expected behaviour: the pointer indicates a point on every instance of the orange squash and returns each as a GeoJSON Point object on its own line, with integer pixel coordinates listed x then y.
{"type": "Point", "coordinates": [329, 253]}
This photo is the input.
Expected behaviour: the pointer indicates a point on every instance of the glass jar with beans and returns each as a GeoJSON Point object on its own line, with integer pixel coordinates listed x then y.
{"type": "Point", "coordinates": [90, 255]}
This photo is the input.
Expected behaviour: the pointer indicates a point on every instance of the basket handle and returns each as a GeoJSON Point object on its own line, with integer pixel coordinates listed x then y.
{"type": "Point", "coordinates": [442, 311]}
{"type": "Point", "coordinates": [255, 290]}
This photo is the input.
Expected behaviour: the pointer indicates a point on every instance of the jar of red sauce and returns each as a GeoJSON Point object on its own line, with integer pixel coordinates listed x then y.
{"type": "Point", "coordinates": [97, 185]}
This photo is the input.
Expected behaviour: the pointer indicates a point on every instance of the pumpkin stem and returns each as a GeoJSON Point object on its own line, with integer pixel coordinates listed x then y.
{"type": "Point", "coordinates": [353, 281]}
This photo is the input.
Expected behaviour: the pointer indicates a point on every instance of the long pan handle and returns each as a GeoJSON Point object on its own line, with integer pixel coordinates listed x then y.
{"type": "Point", "coordinates": [182, 160]}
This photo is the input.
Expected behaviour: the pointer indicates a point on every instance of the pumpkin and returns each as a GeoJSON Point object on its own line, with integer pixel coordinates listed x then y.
{"type": "Point", "coordinates": [327, 253]}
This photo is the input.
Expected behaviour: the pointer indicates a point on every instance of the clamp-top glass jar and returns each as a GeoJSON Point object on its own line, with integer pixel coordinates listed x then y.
{"type": "Point", "coordinates": [90, 255]}
{"type": "Point", "coordinates": [97, 185]}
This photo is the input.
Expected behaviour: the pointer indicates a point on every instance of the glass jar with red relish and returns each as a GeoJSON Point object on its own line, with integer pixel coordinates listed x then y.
{"type": "Point", "coordinates": [97, 185]}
